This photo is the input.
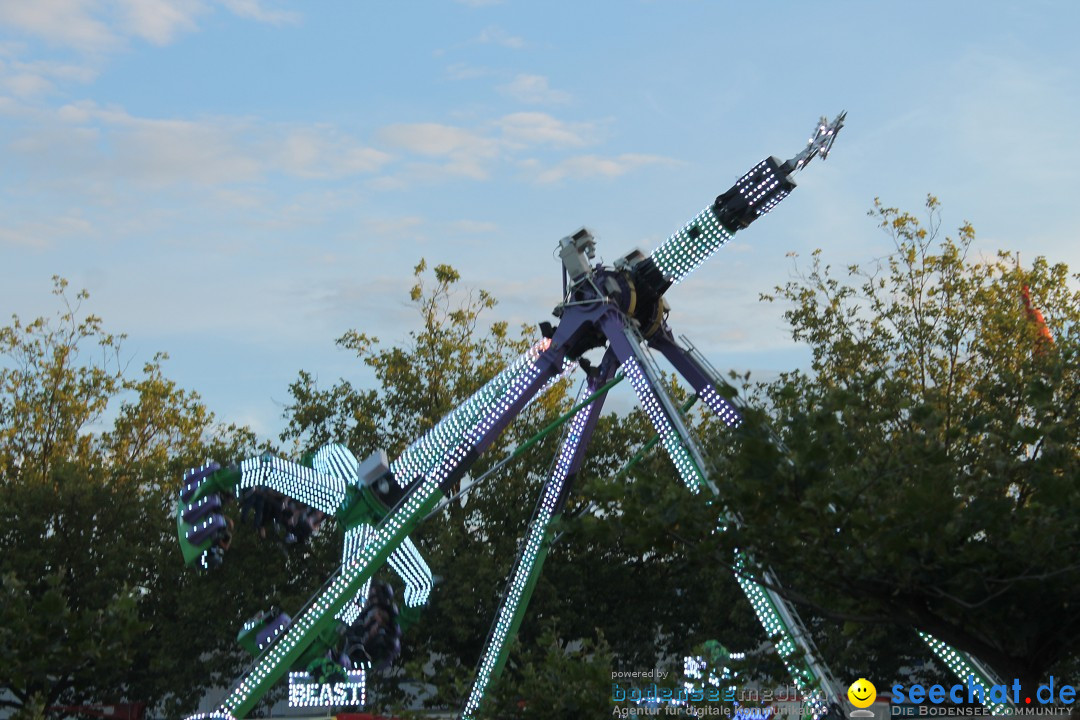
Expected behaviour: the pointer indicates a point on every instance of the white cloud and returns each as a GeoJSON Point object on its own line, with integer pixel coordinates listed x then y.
{"type": "Point", "coordinates": [165, 151]}
{"type": "Point", "coordinates": [109, 141]}
{"type": "Point", "coordinates": [325, 153]}
{"type": "Point", "coordinates": [71, 23]}
{"type": "Point", "coordinates": [464, 71]}
{"type": "Point", "coordinates": [536, 128]}
{"type": "Point", "coordinates": [41, 234]}
{"type": "Point", "coordinates": [256, 10]}
{"type": "Point", "coordinates": [466, 153]}
{"type": "Point", "coordinates": [583, 166]}
{"type": "Point", "coordinates": [471, 153]}
{"type": "Point", "coordinates": [493, 35]}
{"type": "Point", "coordinates": [533, 90]}
{"type": "Point", "coordinates": [434, 139]}
{"type": "Point", "coordinates": [93, 26]}
{"type": "Point", "coordinates": [394, 227]}
{"type": "Point", "coordinates": [24, 79]}
{"type": "Point", "coordinates": [159, 21]}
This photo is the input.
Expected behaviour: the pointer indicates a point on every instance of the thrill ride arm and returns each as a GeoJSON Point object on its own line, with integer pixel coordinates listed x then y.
{"type": "Point", "coordinates": [611, 307]}
{"type": "Point", "coordinates": [546, 515]}
{"type": "Point", "coordinates": [423, 474]}
{"type": "Point", "coordinates": [776, 614]}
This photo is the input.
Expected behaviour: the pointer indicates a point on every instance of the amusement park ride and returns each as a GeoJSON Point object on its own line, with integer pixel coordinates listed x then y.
{"type": "Point", "coordinates": [620, 309]}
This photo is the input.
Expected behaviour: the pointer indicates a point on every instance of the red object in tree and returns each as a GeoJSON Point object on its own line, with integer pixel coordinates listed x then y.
{"type": "Point", "coordinates": [1036, 316]}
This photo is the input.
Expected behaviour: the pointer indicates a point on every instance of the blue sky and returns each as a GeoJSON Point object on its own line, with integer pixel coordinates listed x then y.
{"type": "Point", "coordinates": [238, 182]}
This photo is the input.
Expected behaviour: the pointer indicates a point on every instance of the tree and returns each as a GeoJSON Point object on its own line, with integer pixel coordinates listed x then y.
{"type": "Point", "coordinates": [929, 475]}
{"type": "Point", "coordinates": [554, 678]}
{"type": "Point", "coordinates": [97, 605]}
{"type": "Point", "coordinates": [471, 542]}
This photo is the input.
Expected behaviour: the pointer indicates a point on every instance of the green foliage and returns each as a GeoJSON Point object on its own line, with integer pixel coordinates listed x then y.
{"type": "Point", "coordinates": [933, 452]}
{"type": "Point", "coordinates": [553, 678]}
{"type": "Point", "coordinates": [97, 606]}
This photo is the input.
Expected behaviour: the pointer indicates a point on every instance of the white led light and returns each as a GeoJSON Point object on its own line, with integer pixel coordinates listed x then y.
{"type": "Point", "coordinates": [683, 252]}
{"type": "Point", "coordinates": [723, 408]}
{"type": "Point", "coordinates": [355, 538]}
{"type": "Point", "coordinates": [966, 671]}
{"type": "Point", "coordinates": [338, 461]}
{"type": "Point", "coordinates": [410, 567]}
{"type": "Point", "coordinates": [669, 438]}
{"type": "Point", "coordinates": [523, 569]}
{"type": "Point", "coordinates": [306, 693]}
{"type": "Point", "coordinates": [781, 636]}
{"type": "Point", "coordinates": [315, 489]}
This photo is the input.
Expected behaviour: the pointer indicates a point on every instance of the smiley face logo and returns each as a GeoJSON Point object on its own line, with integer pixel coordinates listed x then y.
{"type": "Point", "coordinates": [862, 693]}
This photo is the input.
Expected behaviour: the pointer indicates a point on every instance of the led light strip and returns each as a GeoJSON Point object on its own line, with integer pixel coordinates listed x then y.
{"type": "Point", "coordinates": [502, 404]}
{"type": "Point", "coordinates": [723, 408]}
{"type": "Point", "coordinates": [963, 668]}
{"type": "Point", "coordinates": [196, 510]}
{"type": "Point", "coordinates": [780, 635]}
{"type": "Point", "coordinates": [523, 569]}
{"type": "Point", "coordinates": [194, 478]}
{"type": "Point", "coordinates": [337, 460]}
{"type": "Point", "coordinates": [418, 459]}
{"type": "Point", "coordinates": [312, 488]}
{"type": "Point", "coordinates": [355, 537]}
{"type": "Point", "coordinates": [754, 188]}
{"type": "Point", "coordinates": [669, 437]}
{"type": "Point", "coordinates": [410, 566]}
{"type": "Point", "coordinates": [688, 248]}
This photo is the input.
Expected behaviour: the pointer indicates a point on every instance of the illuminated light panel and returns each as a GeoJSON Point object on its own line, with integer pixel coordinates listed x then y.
{"type": "Point", "coordinates": [728, 413]}
{"type": "Point", "coordinates": [781, 637]}
{"type": "Point", "coordinates": [272, 630]}
{"type": "Point", "coordinates": [194, 477]}
{"type": "Point", "coordinates": [962, 668]}
{"type": "Point", "coordinates": [683, 252]}
{"type": "Point", "coordinates": [758, 187]}
{"type": "Point", "coordinates": [337, 460]}
{"type": "Point", "coordinates": [423, 454]}
{"type": "Point", "coordinates": [669, 437]}
{"type": "Point", "coordinates": [196, 510]}
{"type": "Point", "coordinates": [411, 567]}
{"type": "Point", "coordinates": [314, 489]}
{"type": "Point", "coordinates": [198, 534]}
{"type": "Point", "coordinates": [538, 528]}
{"type": "Point", "coordinates": [304, 692]}
{"type": "Point", "coordinates": [211, 716]}
{"type": "Point", "coordinates": [496, 395]}
{"type": "Point", "coordinates": [697, 668]}
{"type": "Point", "coordinates": [355, 538]}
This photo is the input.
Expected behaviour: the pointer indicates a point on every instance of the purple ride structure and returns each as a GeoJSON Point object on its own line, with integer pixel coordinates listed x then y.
{"type": "Point", "coordinates": [620, 310]}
